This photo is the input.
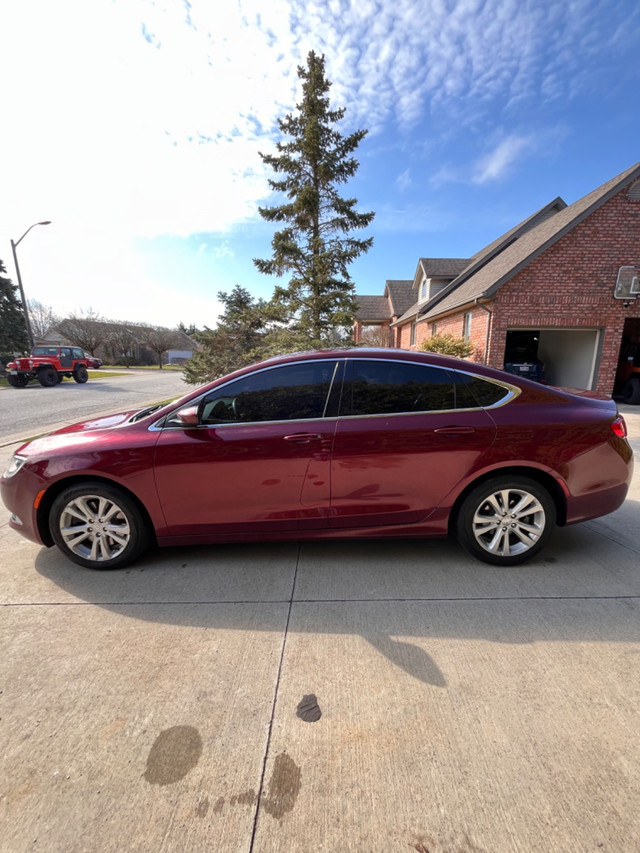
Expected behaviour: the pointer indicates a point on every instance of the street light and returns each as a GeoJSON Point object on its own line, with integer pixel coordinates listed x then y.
{"type": "Point", "coordinates": [14, 246]}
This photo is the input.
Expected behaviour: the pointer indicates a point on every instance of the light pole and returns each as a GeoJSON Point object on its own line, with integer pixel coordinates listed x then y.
{"type": "Point", "coordinates": [14, 246]}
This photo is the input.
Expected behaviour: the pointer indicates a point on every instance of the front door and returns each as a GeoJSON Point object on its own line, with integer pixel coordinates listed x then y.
{"type": "Point", "coordinates": [259, 461]}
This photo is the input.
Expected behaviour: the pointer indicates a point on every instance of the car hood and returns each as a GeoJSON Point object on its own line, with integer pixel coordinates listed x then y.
{"type": "Point", "coordinates": [82, 433]}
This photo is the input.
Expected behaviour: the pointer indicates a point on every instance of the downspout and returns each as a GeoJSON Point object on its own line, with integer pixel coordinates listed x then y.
{"type": "Point", "coordinates": [490, 313]}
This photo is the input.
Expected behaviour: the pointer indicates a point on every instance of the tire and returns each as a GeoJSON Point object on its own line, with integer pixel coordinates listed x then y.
{"type": "Point", "coordinates": [506, 521]}
{"type": "Point", "coordinates": [81, 374]}
{"type": "Point", "coordinates": [59, 377]}
{"type": "Point", "coordinates": [48, 377]}
{"type": "Point", "coordinates": [632, 391]}
{"type": "Point", "coordinates": [98, 526]}
{"type": "Point", "coordinates": [18, 381]}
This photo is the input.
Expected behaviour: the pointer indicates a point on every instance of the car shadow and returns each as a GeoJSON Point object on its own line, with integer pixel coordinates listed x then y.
{"type": "Point", "coordinates": [401, 596]}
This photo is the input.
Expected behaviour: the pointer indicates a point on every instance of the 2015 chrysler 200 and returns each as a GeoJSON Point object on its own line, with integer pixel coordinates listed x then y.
{"type": "Point", "coordinates": [346, 443]}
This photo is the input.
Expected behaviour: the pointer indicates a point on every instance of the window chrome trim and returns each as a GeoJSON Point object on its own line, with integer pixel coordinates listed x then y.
{"type": "Point", "coordinates": [158, 426]}
{"type": "Point", "coordinates": [512, 393]}
{"type": "Point", "coordinates": [512, 390]}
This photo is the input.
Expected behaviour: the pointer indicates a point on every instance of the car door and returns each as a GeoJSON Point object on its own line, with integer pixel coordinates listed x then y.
{"type": "Point", "coordinates": [407, 434]}
{"type": "Point", "coordinates": [260, 459]}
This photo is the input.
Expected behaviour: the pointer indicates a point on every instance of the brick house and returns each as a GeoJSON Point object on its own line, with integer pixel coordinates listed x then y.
{"type": "Point", "coordinates": [557, 281]}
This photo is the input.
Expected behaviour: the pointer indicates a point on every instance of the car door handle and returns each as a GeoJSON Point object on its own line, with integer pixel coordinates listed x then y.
{"type": "Point", "coordinates": [303, 437]}
{"type": "Point", "coordinates": [454, 430]}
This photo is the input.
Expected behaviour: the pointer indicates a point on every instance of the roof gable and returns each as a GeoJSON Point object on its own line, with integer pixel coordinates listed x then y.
{"type": "Point", "coordinates": [501, 260]}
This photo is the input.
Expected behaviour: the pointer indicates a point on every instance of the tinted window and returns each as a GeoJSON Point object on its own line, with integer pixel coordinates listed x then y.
{"type": "Point", "coordinates": [393, 387]}
{"type": "Point", "coordinates": [78, 353]}
{"type": "Point", "coordinates": [292, 392]}
{"type": "Point", "coordinates": [486, 393]}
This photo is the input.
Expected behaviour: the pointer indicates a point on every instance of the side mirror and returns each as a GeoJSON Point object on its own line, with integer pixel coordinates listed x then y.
{"type": "Point", "coordinates": [188, 416]}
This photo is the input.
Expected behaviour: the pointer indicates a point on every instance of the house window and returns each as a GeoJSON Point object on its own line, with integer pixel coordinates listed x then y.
{"type": "Point", "coordinates": [466, 329]}
{"type": "Point", "coordinates": [434, 328]}
{"type": "Point", "coordinates": [413, 334]}
{"type": "Point", "coordinates": [423, 290]}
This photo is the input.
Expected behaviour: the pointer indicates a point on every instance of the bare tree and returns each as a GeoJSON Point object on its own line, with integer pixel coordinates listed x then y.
{"type": "Point", "coordinates": [86, 330]}
{"type": "Point", "coordinates": [42, 317]}
{"type": "Point", "coordinates": [158, 340]}
{"type": "Point", "coordinates": [120, 340]}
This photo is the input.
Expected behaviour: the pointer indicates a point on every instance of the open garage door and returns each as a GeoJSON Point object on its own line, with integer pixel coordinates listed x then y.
{"type": "Point", "coordinates": [570, 356]}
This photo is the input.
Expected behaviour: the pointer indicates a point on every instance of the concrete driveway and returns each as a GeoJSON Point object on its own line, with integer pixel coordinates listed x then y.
{"type": "Point", "coordinates": [335, 696]}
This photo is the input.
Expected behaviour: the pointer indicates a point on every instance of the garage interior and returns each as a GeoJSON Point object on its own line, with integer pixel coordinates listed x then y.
{"type": "Point", "coordinates": [570, 356]}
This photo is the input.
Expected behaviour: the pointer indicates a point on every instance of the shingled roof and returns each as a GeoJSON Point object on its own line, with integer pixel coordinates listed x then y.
{"type": "Point", "coordinates": [373, 309]}
{"type": "Point", "coordinates": [501, 260]}
{"type": "Point", "coordinates": [401, 296]}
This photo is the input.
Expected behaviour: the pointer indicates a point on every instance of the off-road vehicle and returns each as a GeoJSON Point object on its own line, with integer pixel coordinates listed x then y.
{"type": "Point", "coordinates": [49, 365]}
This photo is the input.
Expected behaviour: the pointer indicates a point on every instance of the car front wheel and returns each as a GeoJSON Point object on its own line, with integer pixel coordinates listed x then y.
{"type": "Point", "coordinates": [48, 377]}
{"type": "Point", "coordinates": [506, 520]}
{"type": "Point", "coordinates": [18, 381]}
{"type": "Point", "coordinates": [98, 526]}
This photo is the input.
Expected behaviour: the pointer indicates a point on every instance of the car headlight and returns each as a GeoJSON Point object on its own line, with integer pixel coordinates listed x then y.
{"type": "Point", "coordinates": [15, 464]}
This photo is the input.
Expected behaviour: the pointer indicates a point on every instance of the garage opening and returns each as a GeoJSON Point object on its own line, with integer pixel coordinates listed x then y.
{"type": "Point", "coordinates": [565, 357]}
{"type": "Point", "coordinates": [627, 384]}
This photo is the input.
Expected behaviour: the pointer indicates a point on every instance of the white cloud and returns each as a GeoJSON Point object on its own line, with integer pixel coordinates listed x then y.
{"type": "Point", "coordinates": [497, 163]}
{"type": "Point", "coordinates": [126, 119]}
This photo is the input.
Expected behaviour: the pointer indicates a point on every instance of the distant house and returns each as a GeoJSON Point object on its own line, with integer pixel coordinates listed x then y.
{"type": "Point", "coordinates": [555, 283]}
{"type": "Point", "coordinates": [180, 347]}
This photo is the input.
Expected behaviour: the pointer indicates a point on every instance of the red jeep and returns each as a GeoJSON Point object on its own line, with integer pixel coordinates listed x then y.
{"type": "Point", "coordinates": [49, 365]}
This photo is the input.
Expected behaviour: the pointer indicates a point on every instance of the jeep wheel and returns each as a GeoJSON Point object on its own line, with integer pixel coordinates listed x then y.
{"type": "Point", "coordinates": [59, 377]}
{"type": "Point", "coordinates": [18, 381]}
{"type": "Point", "coordinates": [80, 374]}
{"type": "Point", "coordinates": [48, 377]}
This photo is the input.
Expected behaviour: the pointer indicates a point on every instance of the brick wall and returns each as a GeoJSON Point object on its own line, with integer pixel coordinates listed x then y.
{"type": "Point", "coordinates": [571, 285]}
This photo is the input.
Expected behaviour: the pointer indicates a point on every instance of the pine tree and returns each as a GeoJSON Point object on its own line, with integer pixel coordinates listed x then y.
{"type": "Point", "coordinates": [13, 331]}
{"type": "Point", "coordinates": [237, 339]}
{"type": "Point", "coordinates": [315, 245]}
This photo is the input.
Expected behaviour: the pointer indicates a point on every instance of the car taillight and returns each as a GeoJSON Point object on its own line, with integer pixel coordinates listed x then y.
{"type": "Point", "coordinates": [619, 427]}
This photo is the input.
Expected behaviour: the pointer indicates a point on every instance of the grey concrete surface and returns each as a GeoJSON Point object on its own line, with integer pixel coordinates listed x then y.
{"type": "Point", "coordinates": [462, 708]}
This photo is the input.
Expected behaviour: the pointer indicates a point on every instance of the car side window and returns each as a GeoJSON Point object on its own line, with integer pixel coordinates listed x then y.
{"type": "Point", "coordinates": [291, 392]}
{"type": "Point", "coordinates": [485, 393]}
{"type": "Point", "coordinates": [392, 387]}
{"type": "Point", "coordinates": [78, 353]}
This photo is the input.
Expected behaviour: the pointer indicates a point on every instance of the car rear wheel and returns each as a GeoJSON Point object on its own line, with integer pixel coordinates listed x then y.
{"type": "Point", "coordinates": [98, 526]}
{"type": "Point", "coordinates": [18, 381]}
{"type": "Point", "coordinates": [48, 377]}
{"type": "Point", "coordinates": [632, 391]}
{"type": "Point", "coordinates": [506, 520]}
{"type": "Point", "coordinates": [80, 374]}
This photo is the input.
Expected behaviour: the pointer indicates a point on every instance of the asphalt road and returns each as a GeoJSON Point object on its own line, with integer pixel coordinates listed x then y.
{"type": "Point", "coordinates": [34, 409]}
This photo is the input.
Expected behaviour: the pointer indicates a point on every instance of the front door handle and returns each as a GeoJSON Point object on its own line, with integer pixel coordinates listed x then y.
{"type": "Point", "coordinates": [303, 437]}
{"type": "Point", "coordinates": [455, 430]}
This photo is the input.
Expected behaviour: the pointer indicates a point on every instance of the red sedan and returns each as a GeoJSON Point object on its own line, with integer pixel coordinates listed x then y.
{"type": "Point", "coordinates": [347, 443]}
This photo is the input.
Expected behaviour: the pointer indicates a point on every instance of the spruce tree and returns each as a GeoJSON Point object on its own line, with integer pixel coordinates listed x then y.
{"type": "Point", "coordinates": [315, 245]}
{"type": "Point", "coordinates": [13, 331]}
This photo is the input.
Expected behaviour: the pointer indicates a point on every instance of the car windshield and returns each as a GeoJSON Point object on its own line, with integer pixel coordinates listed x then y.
{"type": "Point", "coordinates": [44, 351]}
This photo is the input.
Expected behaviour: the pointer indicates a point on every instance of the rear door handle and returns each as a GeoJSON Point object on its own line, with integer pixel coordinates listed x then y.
{"type": "Point", "coordinates": [455, 430]}
{"type": "Point", "coordinates": [303, 437]}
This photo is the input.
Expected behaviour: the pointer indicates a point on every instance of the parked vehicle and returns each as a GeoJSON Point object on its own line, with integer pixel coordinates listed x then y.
{"type": "Point", "coordinates": [336, 444]}
{"type": "Point", "coordinates": [93, 363]}
{"type": "Point", "coordinates": [628, 374]}
{"type": "Point", "coordinates": [49, 365]}
{"type": "Point", "coordinates": [522, 362]}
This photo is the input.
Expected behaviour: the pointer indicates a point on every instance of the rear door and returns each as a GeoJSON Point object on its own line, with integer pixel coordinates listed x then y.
{"type": "Point", "coordinates": [406, 435]}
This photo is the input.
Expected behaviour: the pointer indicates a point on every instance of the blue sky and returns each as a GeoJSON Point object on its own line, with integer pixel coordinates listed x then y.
{"type": "Point", "coordinates": [135, 127]}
